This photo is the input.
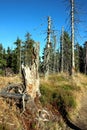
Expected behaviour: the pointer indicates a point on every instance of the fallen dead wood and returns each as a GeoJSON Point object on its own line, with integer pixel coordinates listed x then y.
{"type": "Point", "coordinates": [14, 96]}
{"type": "Point", "coordinates": [17, 88]}
{"type": "Point", "coordinates": [15, 92]}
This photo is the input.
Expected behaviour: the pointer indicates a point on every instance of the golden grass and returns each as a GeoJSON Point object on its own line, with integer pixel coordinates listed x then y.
{"type": "Point", "coordinates": [76, 86]}
{"type": "Point", "coordinates": [80, 81]}
{"type": "Point", "coordinates": [8, 116]}
{"type": "Point", "coordinates": [4, 81]}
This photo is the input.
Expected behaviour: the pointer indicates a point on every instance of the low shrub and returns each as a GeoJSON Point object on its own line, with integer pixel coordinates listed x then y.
{"type": "Point", "coordinates": [58, 95]}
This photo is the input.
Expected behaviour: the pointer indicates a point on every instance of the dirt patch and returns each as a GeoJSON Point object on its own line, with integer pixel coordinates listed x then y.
{"type": "Point", "coordinates": [81, 119]}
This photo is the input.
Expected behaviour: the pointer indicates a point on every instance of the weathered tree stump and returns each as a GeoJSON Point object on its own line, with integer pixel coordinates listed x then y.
{"type": "Point", "coordinates": [31, 76]}
{"type": "Point", "coordinates": [31, 80]}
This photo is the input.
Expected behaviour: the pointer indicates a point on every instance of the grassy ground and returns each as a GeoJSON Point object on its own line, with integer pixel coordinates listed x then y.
{"type": "Point", "coordinates": [60, 91]}
{"type": "Point", "coordinates": [63, 90]}
{"type": "Point", "coordinates": [9, 118]}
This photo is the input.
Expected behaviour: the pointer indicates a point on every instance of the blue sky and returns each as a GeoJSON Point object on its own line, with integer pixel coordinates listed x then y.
{"type": "Point", "coordinates": [20, 16]}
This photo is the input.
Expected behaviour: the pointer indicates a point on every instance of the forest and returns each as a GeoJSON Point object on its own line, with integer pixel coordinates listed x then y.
{"type": "Point", "coordinates": [23, 52]}
{"type": "Point", "coordinates": [47, 90]}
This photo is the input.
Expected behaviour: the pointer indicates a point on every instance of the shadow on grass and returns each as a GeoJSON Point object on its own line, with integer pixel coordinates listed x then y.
{"type": "Point", "coordinates": [64, 114]}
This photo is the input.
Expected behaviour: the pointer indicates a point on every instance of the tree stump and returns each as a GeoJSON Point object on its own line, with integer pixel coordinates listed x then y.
{"type": "Point", "coordinates": [31, 76]}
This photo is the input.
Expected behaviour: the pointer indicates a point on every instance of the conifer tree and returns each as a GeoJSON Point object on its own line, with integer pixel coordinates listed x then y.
{"type": "Point", "coordinates": [2, 59]}
{"type": "Point", "coordinates": [9, 58]}
{"type": "Point", "coordinates": [28, 49]}
{"type": "Point", "coordinates": [66, 64]}
{"type": "Point", "coordinates": [18, 55]}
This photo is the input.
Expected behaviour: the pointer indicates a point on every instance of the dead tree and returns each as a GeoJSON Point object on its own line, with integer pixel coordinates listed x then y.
{"type": "Point", "coordinates": [15, 96]}
{"type": "Point", "coordinates": [54, 64]}
{"type": "Point", "coordinates": [72, 36]}
{"type": "Point", "coordinates": [62, 55]}
{"type": "Point", "coordinates": [15, 93]}
{"type": "Point", "coordinates": [31, 75]}
{"type": "Point", "coordinates": [47, 49]}
{"type": "Point", "coordinates": [85, 57]}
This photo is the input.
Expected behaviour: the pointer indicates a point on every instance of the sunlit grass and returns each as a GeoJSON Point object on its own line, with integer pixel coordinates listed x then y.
{"type": "Point", "coordinates": [8, 115]}
{"type": "Point", "coordinates": [63, 89]}
{"type": "Point", "coordinates": [4, 81]}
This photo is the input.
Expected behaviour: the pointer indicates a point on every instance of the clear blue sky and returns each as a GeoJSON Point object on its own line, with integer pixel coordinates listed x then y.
{"type": "Point", "coordinates": [20, 16]}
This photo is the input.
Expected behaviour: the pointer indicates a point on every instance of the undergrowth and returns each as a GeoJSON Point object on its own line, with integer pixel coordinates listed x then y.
{"type": "Point", "coordinates": [58, 91]}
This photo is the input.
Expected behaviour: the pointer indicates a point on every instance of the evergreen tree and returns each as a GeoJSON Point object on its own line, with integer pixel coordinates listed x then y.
{"type": "Point", "coordinates": [17, 55]}
{"type": "Point", "coordinates": [66, 52]}
{"type": "Point", "coordinates": [14, 62]}
{"type": "Point", "coordinates": [9, 58]}
{"type": "Point", "coordinates": [85, 57]}
{"type": "Point", "coordinates": [77, 62]}
{"type": "Point", "coordinates": [28, 50]}
{"type": "Point", "coordinates": [57, 61]}
{"type": "Point", "coordinates": [2, 59]}
{"type": "Point", "coordinates": [82, 59]}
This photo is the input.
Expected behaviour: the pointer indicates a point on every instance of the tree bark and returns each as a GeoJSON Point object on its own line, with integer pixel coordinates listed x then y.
{"type": "Point", "coordinates": [72, 37]}
{"type": "Point", "coordinates": [13, 96]}
{"type": "Point", "coordinates": [62, 48]}
{"type": "Point", "coordinates": [31, 76]}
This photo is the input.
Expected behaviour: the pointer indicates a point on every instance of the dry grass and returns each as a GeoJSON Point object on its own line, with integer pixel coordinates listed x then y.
{"type": "Point", "coordinates": [8, 116]}
{"type": "Point", "coordinates": [4, 81]}
{"type": "Point", "coordinates": [70, 88]}
{"type": "Point", "coordinates": [79, 81]}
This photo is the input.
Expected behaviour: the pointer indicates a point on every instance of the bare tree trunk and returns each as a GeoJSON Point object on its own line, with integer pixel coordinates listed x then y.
{"type": "Point", "coordinates": [13, 95]}
{"type": "Point", "coordinates": [20, 59]}
{"type": "Point", "coordinates": [86, 59]}
{"type": "Point", "coordinates": [54, 56]}
{"type": "Point", "coordinates": [47, 50]}
{"type": "Point", "coordinates": [49, 30]}
{"type": "Point", "coordinates": [62, 57]}
{"type": "Point", "coordinates": [72, 37]}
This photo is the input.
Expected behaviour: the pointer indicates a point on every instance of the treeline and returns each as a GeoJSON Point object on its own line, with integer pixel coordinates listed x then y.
{"type": "Point", "coordinates": [23, 53]}
{"type": "Point", "coordinates": [59, 61]}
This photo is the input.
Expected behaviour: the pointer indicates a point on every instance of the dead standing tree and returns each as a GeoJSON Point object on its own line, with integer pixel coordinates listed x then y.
{"type": "Point", "coordinates": [72, 37]}
{"type": "Point", "coordinates": [86, 57]}
{"type": "Point", "coordinates": [47, 50]}
{"type": "Point", "coordinates": [31, 75]}
{"type": "Point", "coordinates": [73, 22]}
{"type": "Point", "coordinates": [62, 55]}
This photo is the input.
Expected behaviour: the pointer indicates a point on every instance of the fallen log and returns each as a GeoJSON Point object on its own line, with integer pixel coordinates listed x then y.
{"type": "Point", "coordinates": [14, 96]}
{"type": "Point", "coordinates": [15, 88]}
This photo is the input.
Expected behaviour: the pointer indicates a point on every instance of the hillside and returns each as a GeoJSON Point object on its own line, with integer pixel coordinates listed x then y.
{"type": "Point", "coordinates": [63, 101]}
{"type": "Point", "coordinates": [68, 95]}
